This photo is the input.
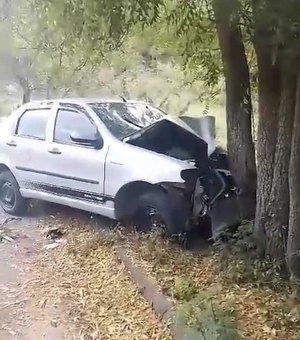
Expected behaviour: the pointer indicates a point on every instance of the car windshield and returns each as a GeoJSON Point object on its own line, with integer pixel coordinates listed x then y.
{"type": "Point", "coordinates": [124, 119]}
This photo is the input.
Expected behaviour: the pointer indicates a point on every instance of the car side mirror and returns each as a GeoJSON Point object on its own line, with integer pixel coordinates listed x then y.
{"type": "Point", "coordinates": [87, 139]}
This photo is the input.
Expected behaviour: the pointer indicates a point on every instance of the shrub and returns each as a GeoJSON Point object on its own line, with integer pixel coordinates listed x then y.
{"type": "Point", "coordinates": [207, 318]}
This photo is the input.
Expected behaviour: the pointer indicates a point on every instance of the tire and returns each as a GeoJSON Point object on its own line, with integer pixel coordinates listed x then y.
{"type": "Point", "coordinates": [11, 200]}
{"type": "Point", "coordinates": [161, 208]}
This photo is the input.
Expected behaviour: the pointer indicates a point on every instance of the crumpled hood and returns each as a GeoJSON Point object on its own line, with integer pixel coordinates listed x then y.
{"type": "Point", "coordinates": [202, 126]}
{"type": "Point", "coordinates": [171, 139]}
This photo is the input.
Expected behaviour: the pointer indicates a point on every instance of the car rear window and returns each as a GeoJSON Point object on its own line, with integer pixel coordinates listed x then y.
{"type": "Point", "coordinates": [32, 124]}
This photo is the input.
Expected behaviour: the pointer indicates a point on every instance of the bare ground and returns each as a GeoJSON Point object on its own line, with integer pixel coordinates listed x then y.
{"type": "Point", "coordinates": [19, 248]}
{"type": "Point", "coordinates": [40, 290]}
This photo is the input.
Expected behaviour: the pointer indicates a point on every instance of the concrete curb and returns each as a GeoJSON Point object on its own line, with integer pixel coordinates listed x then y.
{"type": "Point", "coordinates": [159, 302]}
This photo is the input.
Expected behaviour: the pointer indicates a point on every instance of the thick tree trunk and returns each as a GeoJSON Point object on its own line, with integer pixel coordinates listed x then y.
{"type": "Point", "coordinates": [276, 227]}
{"type": "Point", "coordinates": [239, 111]}
{"type": "Point", "coordinates": [269, 101]}
{"type": "Point", "coordinates": [293, 247]}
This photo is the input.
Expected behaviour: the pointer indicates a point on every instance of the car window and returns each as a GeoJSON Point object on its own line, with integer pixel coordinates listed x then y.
{"type": "Point", "coordinates": [71, 121]}
{"type": "Point", "coordinates": [33, 124]}
{"type": "Point", "coordinates": [119, 126]}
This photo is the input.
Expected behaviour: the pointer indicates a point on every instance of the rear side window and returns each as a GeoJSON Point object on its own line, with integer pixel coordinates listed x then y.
{"type": "Point", "coordinates": [32, 124]}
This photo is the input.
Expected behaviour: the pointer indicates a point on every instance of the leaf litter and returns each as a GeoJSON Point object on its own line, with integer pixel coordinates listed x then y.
{"type": "Point", "coordinates": [99, 297]}
{"type": "Point", "coordinates": [261, 313]}
{"type": "Point", "coordinates": [84, 275]}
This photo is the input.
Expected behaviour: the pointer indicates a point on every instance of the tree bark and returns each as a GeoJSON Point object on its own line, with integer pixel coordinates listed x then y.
{"type": "Point", "coordinates": [293, 246]}
{"type": "Point", "coordinates": [276, 227]}
{"type": "Point", "coordinates": [239, 111]}
{"type": "Point", "coordinates": [269, 101]}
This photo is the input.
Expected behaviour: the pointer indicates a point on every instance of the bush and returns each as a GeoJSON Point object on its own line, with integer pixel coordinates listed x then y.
{"type": "Point", "coordinates": [184, 289]}
{"type": "Point", "coordinates": [207, 318]}
{"type": "Point", "coordinates": [239, 263]}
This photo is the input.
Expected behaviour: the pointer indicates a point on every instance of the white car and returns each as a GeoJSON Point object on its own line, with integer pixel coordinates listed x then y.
{"type": "Point", "coordinates": [121, 159]}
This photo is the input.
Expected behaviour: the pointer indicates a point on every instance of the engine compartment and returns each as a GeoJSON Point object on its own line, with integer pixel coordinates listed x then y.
{"type": "Point", "coordinates": [170, 139]}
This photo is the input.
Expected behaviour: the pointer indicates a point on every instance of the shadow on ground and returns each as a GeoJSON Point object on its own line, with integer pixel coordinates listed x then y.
{"type": "Point", "coordinates": [197, 239]}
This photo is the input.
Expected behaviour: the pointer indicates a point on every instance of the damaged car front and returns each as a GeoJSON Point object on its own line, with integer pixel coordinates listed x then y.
{"type": "Point", "coordinates": [208, 190]}
{"type": "Point", "coordinates": [193, 185]}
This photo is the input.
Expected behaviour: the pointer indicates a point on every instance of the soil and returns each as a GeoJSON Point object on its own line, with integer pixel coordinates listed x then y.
{"type": "Point", "coordinates": [20, 244]}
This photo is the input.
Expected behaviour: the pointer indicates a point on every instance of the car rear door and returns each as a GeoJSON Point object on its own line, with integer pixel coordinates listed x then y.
{"type": "Point", "coordinates": [75, 170]}
{"type": "Point", "coordinates": [27, 147]}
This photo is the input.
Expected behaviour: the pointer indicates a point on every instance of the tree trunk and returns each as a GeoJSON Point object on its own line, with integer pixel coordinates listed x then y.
{"type": "Point", "coordinates": [26, 97]}
{"type": "Point", "coordinates": [26, 89]}
{"type": "Point", "coordinates": [48, 89]}
{"type": "Point", "coordinates": [293, 246]}
{"type": "Point", "coordinates": [239, 111]}
{"type": "Point", "coordinates": [271, 100]}
{"type": "Point", "coordinates": [276, 227]}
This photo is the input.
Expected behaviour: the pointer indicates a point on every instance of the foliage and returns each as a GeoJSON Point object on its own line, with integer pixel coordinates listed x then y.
{"type": "Point", "coordinates": [96, 26]}
{"type": "Point", "coordinates": [184, 289]}
{"type": "Point", "coordinates": [122, 33]}
{"type": "Point", "coordinates": [239, 263]}
{"type": "Point", "coordinates": [194, 23]}
{"type": "Point", "coordinates": [208, 319]}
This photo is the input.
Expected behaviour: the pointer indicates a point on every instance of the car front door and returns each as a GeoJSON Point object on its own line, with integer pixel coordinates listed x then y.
{"type": "Point", "coordinates": [75, 169]}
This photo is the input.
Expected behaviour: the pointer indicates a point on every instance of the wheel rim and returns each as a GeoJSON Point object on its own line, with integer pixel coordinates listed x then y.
{"type": "Point", "coordinates": [7, 195]}
{"type": "Point", "coordinates": [153, 216]}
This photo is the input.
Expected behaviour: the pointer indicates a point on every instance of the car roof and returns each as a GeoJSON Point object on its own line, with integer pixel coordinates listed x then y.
{"type": "Point", "coordinates": [35, 104]}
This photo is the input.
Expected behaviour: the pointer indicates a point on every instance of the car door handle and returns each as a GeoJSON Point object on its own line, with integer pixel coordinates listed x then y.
{"type": "Point", "coordinates": [55, 151]}
{"type": "Point", "coordinates": [11, 143]}
{"type": "Point", "coordinates": [116, 163]}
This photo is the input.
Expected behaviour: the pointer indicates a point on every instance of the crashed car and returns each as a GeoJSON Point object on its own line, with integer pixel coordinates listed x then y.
{"type": "Point", "coordinates": [125, 160]}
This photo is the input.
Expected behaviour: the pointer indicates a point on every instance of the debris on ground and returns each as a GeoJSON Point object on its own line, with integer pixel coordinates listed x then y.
{"type": "Point", "coordinates": [53, 233]}
{"type": "Point", "coordinates": [8, 220]}
{"type": "Point", "coordinates": [6, 238]}
{"type": "Point", "coordinates": [51, 246]}
{"type": "Point", "coordinates": [6, 235]}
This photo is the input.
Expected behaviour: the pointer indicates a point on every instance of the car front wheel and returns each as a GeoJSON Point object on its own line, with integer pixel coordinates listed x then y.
{"type": "Point", "coordinates": [11, 200]}
{"type": "Point", "coordinates": [163, 209]}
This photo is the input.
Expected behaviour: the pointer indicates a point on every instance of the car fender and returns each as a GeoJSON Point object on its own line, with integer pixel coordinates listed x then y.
{"type": "Point", "coordinates": [127, 163]}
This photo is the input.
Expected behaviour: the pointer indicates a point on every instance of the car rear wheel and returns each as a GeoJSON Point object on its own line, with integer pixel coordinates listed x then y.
{"type": "Point", "coordinates": [11, 200]}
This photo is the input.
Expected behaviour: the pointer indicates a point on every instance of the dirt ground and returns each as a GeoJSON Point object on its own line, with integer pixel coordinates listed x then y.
{"type": "Point", "coordinates": [19, 246]}
{"type": "Point", "coordinates": [33, 288]}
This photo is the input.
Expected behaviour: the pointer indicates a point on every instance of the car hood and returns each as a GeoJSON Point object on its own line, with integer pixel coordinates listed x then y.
{"type": "Point", "coordinates": [171, 139]}
{"type": "Point", "coordinates": [201, 126]}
